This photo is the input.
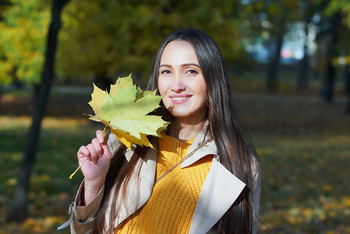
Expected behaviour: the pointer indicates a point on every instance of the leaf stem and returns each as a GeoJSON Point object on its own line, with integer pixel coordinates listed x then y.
{"type": "Point", "coordinates": [71, 176]}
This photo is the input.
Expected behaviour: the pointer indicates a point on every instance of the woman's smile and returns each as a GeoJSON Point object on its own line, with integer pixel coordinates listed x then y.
{"type": "Point", "coordinates": [179, 99]}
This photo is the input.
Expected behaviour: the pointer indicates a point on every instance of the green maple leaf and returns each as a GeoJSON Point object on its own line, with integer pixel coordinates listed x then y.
{"type": "Point", "coordinates": [125, 109]}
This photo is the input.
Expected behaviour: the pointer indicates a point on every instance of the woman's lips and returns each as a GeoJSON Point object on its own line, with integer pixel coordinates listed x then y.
{"type": "Point", "coordinates": [180, 99]}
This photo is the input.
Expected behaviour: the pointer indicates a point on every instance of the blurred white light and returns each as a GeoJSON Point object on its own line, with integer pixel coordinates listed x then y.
{"type": "Point", "coordinates": [265, 24]}
{"type": "Point", "coordinates": [342, 60]}
{"type": "Point", "coordinates": [298, 54]}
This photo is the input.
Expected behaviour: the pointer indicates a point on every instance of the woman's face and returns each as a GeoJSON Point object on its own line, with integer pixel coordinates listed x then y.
{"type": "Point", "coordinates": [181, 83]}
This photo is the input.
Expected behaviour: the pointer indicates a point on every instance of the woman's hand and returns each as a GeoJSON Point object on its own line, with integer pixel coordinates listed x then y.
{"type": "Point", "coordinates": [96, 167]}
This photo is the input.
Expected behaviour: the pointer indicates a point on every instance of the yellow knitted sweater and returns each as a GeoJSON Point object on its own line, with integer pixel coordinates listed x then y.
{"type": "Point", "coordinates": [172, 203]}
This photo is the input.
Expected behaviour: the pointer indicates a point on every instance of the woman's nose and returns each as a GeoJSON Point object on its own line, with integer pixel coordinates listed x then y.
{"type": "Point", "coordinates": [178, 84]}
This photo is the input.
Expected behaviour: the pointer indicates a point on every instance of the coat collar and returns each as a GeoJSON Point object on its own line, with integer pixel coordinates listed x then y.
{"type": "Point", "coordinates": [207, 149]}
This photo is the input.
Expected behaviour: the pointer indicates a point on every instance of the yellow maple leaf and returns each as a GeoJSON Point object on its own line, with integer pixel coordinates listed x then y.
{"type": "Point", "coordinates": [125, 109]}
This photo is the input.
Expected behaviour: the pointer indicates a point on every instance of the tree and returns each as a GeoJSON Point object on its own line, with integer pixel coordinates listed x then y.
{"type": "Point", "coordinates": [272, 17]}
{"type": "Point", "coordinates": [21, 43]}
{"type": "Point", "coordinates": [19, 206]}
{"type": "Point", "coordinates": [343, 7]}
{"type": "Point", "coordinates": [335, 17]}
{"type": "Point", "coordinates": [4, 4]}
{"type": "Point", "coordinates": [332, 29]}
{"type": "Point", "coordinates": [308, 9]}
{"type": "Point", "coordinates": [103, 39]}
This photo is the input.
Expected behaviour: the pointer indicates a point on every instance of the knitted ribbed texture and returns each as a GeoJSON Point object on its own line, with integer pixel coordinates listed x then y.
{"type": "Point", "coordinates": [173, 201]}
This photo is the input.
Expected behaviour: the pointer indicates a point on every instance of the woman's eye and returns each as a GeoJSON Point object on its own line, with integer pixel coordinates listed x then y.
{"type": "Point", "coordinates": [165, 72]}
{"type": "Point", "coordinates": [191, 71]}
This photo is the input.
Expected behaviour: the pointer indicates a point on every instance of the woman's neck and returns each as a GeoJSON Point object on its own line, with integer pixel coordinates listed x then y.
{"type": "Point", "coordinates": [185, 131]}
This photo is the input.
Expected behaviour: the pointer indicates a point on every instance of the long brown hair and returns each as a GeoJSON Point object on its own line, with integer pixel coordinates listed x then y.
{"type": "Point", "coordinates": [236, 151]}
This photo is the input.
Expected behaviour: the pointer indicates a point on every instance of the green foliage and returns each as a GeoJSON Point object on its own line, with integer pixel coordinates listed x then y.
{"type": "Point", "coordinates": [268, 15]}
{"type": "Point", "coordinates": [109, 37]}
{"type": "Point", "coordinates": [22, 39]}
{"type": "Point", "coordinates": [335, 6]}
{"type": "Point", "coordinates": [104, 38]}
{"type": "Point", "coordinates": [343, 7]}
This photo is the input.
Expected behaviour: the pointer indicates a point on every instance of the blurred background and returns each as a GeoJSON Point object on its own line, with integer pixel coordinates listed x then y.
{"type": "Point", "coordinates": [288, 63]}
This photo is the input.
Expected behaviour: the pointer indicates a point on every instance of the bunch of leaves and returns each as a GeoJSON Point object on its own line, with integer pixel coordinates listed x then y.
{"type": "Point", "coordinates": [22, 40]}
{"type": "Point", "coordinates": [125, 110]}
{"type": "Point", "coordinates": [88, 27]}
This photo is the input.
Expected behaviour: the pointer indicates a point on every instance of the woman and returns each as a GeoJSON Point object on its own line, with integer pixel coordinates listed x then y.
{"type": "Point", "coordinates": [204, 176]}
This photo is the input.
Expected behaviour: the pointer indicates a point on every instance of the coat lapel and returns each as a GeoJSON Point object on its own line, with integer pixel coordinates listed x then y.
{"type": "Point", "coordinates": [220, 190]}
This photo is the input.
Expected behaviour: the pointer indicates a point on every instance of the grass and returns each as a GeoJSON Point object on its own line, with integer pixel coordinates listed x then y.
{"type": "Point", "coordinates": [303, 144]}
{"type": "Point", "coordinates": [50, 188]}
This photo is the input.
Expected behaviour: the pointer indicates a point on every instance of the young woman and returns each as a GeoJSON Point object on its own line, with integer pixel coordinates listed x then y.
{"type": "Point", "coordinates": [203, 176]}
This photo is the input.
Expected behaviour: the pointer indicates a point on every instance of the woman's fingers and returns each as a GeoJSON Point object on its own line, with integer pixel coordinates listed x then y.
{"type": "Point", "coordinates": [103, 143]}
{"type": "Point", "coordinates": [106, 151]}
{"type": "Point", "coordinates": [97, 147]}
{"type": "Point", "coordinates": [83, 152]}
{"type": "Point", "coordinates": [100, 136]}
{"type": "Point", "coordinates": [93, 154]}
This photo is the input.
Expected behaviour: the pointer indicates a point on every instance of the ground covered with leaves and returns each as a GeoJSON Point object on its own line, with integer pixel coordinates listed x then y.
{"type": "Point", "coordinates": [303, 143]}
{"type": "Point", "coordinates": [304, 146]}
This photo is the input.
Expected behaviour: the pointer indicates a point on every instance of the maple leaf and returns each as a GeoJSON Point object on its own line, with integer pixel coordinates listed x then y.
{"type": "Point", "coordinates": [125, 109]}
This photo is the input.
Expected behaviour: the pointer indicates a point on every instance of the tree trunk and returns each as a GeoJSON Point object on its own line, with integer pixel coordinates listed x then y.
{"type": "Point", "coordinates": [19, 209]}
{"type": "Point", "coordinates": [347, 111]}
{"type": "Point", "coordinates": [347, 79]}
{"type": "Point", "coordinates": [328, 84]}
{"type": "Point", "coordinates": [302, 81]}
{"type": "Point", "coordinates": [347, 87]}
{"type": "Point", "coordinates": [272, 72]}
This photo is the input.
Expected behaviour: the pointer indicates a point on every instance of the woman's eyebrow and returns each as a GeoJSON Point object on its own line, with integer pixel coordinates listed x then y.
{"type": "Point", "coordinates": [190, 64]}
{"type": "Point", "coordinates": [164, 65]}
{"type": "Point", "coordinates": [182, 65]}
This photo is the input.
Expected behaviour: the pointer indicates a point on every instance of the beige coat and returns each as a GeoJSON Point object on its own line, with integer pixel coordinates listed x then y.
{"type": "Point", "coordinates": [220, 190]}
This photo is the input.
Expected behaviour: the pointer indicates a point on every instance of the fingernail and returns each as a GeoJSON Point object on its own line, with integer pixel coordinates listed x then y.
{"type": "Point", "coordinates": [100, 139]}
